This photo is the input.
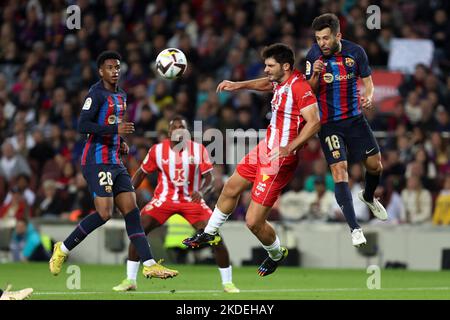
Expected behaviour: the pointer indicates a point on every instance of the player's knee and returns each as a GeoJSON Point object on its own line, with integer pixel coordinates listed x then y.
{"type": "Point", "coordinates": [379, 168]}
{"type": "Point", "coordinates": [253, 225]}
{"type": "Point", "coordinates": [105, 214]}
{"type": "Point", "coordinates": [230, 191]}
{"type": "Point", "coordinates": [376, 168]}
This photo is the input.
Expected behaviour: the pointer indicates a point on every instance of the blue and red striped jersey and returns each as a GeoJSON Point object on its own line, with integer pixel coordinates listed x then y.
{"type": "Point", "coordinates": [102, 111]}
{"type": "Point", "coordinates": [338, 95]}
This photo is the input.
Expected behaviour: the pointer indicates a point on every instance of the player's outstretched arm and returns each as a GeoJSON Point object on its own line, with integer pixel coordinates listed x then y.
{"type": "Point", "coordinates": [261, 84]}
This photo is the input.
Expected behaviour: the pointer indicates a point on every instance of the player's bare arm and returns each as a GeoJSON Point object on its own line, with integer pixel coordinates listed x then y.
{"type": "Point", "coordinates": [312, 126]}
{"type": "Point", "coordinates": [366, 99]}
{"type": "Point", "coordinates": [138, 177]}
{"type": "Point", "coordinates": [207, 186]}
{"type": "Point", "coordinates": [318, 67]}
{"type": "Point", "coordinates": [261, 84]}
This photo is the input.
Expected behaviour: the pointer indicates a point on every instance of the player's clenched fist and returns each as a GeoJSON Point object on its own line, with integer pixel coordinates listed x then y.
{"type": "Point", "coordinates": [318, 66]}
{"type": "Point", "coordinates": [227, 85]}
{"type": "Point", "coordinates": [125, 128]}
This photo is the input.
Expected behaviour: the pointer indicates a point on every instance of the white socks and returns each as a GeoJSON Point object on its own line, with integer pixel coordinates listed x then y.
{"type": "Point", "coordinates": [226, 275]}
{"type": "Point", "coordinates": [64, 248]}
{"type": "Point", "coordinates": [132, 269]}
{"type": "Point", "coordinates": [149, 263]}
{"type": "Point", "coordinates": [274, 250]}
{"type": "Point", "coordinates": [217, 219]}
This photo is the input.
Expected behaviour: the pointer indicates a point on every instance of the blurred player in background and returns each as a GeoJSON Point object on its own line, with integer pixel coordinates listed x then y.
{"type": "Point", "coordinates": [272, 163]}
{"type": "Point", "coordinates": [185, 177]}
{"type": "Point", "coordinates": [333, 66]}
{"type": "Point", "coordinates": [15, 295]}
{"type": "Point", "coordinates": [107, 178]}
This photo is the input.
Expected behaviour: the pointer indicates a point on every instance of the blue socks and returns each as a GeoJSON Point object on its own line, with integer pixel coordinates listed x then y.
{"type": "Point", "coordinates": [137, 235]}
{"type": "Point", "coordinates": [86, 226]}
{"type": "Point", "coordinates": [345, 201]}
{"type": "Point", "coordinates": [134, 231]}
{"type": "Point", "coordinates": [372, 182]}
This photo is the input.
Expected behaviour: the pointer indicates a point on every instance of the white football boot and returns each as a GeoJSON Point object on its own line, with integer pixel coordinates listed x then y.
{"type": "Point", "coordinates": [358, 238]}
{"type": "Point", "coordinates": [376, 207]}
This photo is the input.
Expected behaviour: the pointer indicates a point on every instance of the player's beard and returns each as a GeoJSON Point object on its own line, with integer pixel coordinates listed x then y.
{"type": "Point", "coordinates": [278, 77]}
{"type": "Point", "coordinates": [334, 48]}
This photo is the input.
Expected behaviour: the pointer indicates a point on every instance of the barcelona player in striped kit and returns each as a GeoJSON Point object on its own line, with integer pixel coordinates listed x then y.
{"type": "Point", "coordinates": [108, 179]}
{"type": "Point", "coordinates": [184, 178]}
{"type": "Point", "coordinates": [333, 66]}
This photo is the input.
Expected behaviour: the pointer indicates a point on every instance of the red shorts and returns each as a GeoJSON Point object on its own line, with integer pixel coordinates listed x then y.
{"type": "Point", "coordinates": [192, 212]}
{"type": "Point", "coordinates": [269, 178]}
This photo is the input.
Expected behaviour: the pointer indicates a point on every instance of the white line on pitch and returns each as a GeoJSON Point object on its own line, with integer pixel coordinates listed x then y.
{"type": "Point", "coordinates": [243, 291]}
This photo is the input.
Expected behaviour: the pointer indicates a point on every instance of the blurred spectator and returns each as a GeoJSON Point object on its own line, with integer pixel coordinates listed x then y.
{"type": "Point", "coordinates": [392, 201]}
{"type": "Point", "coordinates": [17, 208]}
{"type": "Point", "coordinates": [417, 201]}
{"type": "Point", "coordinates": [11, 163]}
{"type": "Point", "coordinates": [441, 213]}
{"type": "Point", "coordinates": [22, 185]}
{"type": "Point", "coordinates": [80, 202]}
{"type": "Point", "coordinates": [321, 201]}
{"type": "Point", "coordinates": [320, 169]}
{"type": "Point", "coordinates": [439, 152]}
{"type": "Point", "coordinates": [28, 245]}
{"type": "Point", "coordinates": [443, 119]}
{"type": "Point", "coordinates": [50, 205]}
{"type": "Point", "coordinates": [293, 203]}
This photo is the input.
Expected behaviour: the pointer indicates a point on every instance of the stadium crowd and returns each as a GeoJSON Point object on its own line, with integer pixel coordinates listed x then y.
{"type": "Point", "coordinates": [46, 70]}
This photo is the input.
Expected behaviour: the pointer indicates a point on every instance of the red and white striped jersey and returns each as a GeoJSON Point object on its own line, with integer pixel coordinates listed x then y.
{"type": "Point", "coordinates": [180, 173]}
{"type": "Point", "coordinates": [289, 97]}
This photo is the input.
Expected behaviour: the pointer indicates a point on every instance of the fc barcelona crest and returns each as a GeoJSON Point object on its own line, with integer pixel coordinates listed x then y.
{"type": "Point", "coordinates": [336, 154]}
{"type": "Point", "coordinates": [349, 62]}
{"type": "Point", "coordinates": [108, 189]}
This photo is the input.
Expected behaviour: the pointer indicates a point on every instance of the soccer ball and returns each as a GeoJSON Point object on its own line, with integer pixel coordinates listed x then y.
{"type": "Point", "coordinates": [171, 63]}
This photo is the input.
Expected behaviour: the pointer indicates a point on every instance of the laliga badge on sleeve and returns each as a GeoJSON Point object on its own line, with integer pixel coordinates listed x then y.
{"type": "Point", "coordinates": [87, 104]}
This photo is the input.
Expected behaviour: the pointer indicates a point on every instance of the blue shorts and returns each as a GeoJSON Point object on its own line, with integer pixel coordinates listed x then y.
{"type": "Point", "coordinates": [107, 180]}
{"type": "Point", "coordinates": [349, 140]}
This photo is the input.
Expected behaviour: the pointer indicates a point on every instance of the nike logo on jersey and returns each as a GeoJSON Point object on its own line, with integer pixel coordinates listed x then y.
{"type": "Point", "coordinates": [369, 151]}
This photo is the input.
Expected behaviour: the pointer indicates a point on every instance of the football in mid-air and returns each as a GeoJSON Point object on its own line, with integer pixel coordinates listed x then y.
{"type": "Point", "coordinates": [171, 63]}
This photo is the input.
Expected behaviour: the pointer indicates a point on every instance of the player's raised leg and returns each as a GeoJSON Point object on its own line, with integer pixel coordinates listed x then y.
{"type": "Point", "coordinates": [225, 206]}
{"type": "Point", "coordinates": [104, 207]}
{"type": "Point", "coordinates": [256, 220]}
{"type": "Point", "coordinates": [130, 282]}
{"type": "Point", "coordinates": [126, 202]}
{"type": "Point", "coordinates": [344, 198]}
{"type": "Point", "coordinates": [374, 169]}
{"type": "Point", "coordinates": [223, 261]}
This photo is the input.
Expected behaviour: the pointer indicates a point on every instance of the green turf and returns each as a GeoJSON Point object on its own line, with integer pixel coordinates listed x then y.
{"type": "Point", "coordinates": [202, 282]}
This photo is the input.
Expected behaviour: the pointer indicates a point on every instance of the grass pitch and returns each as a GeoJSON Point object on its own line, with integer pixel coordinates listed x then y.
{"type": "Point", "coordinates": [203, 283]}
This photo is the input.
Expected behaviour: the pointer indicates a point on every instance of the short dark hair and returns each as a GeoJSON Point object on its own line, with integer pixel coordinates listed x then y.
{"type": "Point", "coordinates": [105, 55]}
{"type": "Point", "coordinates": [326, 20]}
{"type": "Point", "coordinates": [282, 53]}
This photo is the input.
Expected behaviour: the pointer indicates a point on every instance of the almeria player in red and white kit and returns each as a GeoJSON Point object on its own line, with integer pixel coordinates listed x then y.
{"type": "Point", "coordinates": [270, 166]}
{"type": "Point", "coordinates": [184, 177]}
